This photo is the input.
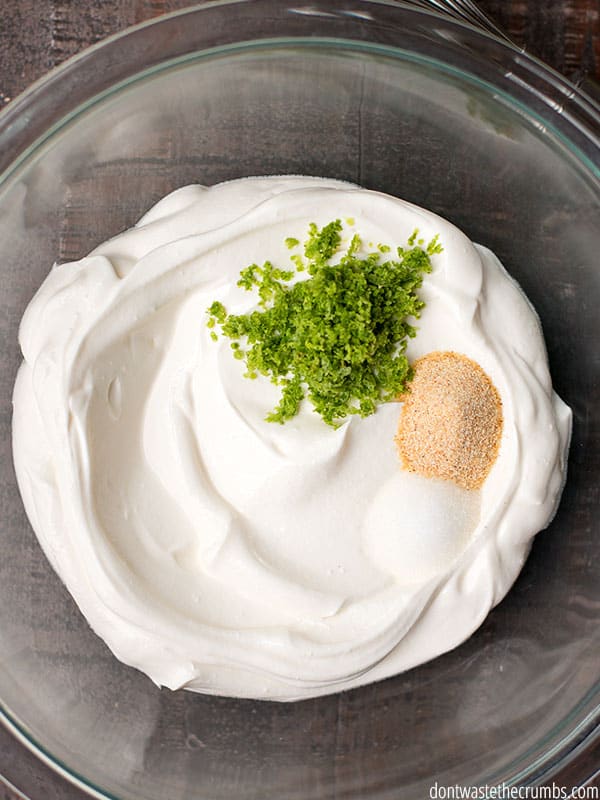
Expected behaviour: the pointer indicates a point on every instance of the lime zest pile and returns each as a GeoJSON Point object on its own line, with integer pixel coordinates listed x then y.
{"type": "Point", "coordinates": [336, 337]}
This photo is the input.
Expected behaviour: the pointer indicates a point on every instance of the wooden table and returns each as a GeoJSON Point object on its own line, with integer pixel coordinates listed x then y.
{"type": "Point", "coordinates": [36, 35]}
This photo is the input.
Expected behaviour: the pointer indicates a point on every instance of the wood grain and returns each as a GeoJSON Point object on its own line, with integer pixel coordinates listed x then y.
{"type": "Point", "coordinates": [37, 35]}
{"type": "Point", "coordinates": [563, 33]}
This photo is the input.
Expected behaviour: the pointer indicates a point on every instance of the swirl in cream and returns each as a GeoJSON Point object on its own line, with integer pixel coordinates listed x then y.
{"type": "Point", "coordinates": [225, 554]}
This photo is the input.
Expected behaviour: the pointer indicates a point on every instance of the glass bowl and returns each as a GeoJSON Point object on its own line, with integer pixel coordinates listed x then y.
{"type": "Point", "coordinates": [395, 99]}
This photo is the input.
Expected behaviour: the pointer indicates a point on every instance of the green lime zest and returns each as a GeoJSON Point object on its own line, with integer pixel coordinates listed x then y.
{"type": "Point", "coordinates": [337, 336]}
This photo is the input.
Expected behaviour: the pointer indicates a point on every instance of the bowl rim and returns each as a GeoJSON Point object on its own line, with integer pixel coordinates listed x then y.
{"type": "Point", "coordinates": [573, 115]}
{"type": "Point", "coordinates": [577, 112]}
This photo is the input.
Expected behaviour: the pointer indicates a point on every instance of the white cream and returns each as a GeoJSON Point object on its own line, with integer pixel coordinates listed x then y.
{"type": "Point", "coordinates": [219, 552]}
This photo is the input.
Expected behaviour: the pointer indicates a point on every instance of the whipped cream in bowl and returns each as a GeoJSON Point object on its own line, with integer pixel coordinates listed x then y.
{"type": "Point", "coordinates": [223, 553]}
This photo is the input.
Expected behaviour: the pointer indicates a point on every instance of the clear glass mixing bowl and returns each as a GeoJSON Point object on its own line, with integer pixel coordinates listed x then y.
{"type": "Point", "coordinates": [394, 99]}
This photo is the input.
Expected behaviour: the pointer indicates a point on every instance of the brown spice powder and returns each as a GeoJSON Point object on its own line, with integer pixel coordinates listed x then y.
{"type": "Point", "coordinates": [451, 422]}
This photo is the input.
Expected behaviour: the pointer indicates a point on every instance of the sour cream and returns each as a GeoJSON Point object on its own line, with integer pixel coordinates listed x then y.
{"type": "Point", "coordinates": [221, 553]}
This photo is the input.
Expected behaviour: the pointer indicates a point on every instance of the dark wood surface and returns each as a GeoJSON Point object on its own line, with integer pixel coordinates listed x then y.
{"type": "Point", "coordinates": [36, 35]}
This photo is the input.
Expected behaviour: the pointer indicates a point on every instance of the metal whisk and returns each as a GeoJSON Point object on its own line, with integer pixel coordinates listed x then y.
{"type": "Point", "coordinates": [465, 10]}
